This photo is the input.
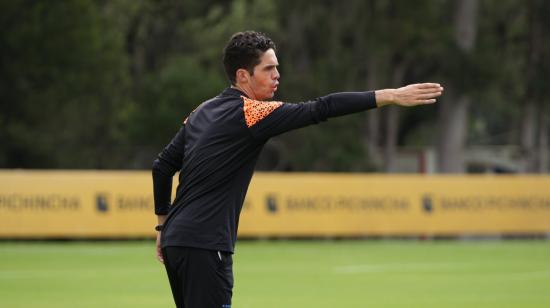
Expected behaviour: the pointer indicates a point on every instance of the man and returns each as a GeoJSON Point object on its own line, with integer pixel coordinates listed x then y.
{"type": "Point", "coordinates": [215, 151]}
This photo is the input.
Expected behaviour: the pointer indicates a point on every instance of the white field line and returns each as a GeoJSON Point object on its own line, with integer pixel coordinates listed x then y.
{"type": "Point", "coordinates": [399, 267]}
{"type": "Point", "coordinates": [436, 267]}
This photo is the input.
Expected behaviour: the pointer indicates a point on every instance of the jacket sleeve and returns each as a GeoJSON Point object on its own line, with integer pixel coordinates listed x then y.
{"type": "Point", "coordinates": [168, 162]}
{"type": "Point", "coordinates": [268, 119]}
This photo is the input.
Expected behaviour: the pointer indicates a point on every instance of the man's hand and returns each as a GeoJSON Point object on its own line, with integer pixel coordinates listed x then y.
{"type": "Point", "coordinates": [161, 220]}
{"type": "Point", "coordinates": [411, 95]}
{"type": "Point", "coordinates": [159, 251]}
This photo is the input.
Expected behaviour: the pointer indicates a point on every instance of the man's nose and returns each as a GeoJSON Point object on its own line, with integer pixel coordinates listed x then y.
{"type": "Point", "coordinates": [276, 75]}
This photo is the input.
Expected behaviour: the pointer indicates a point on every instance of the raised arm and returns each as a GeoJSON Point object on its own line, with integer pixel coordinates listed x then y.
{"type": "Point", "coordinates": [275, 118]}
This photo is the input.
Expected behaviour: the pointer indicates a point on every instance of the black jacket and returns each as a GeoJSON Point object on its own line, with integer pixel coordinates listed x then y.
{"type": "Point", "coordinates": [216, 150]}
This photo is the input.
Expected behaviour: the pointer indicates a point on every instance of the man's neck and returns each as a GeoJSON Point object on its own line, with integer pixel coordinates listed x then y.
{"type": "Point", "coordinates": [246, 90]}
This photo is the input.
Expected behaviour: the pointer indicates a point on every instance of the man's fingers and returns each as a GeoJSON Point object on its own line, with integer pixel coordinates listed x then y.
{"type": "Point", "coordinates": [424, 102]}
{"type": "Point", "coordinates": [427, 85]}
{"type": "Point", "coordinates": [429, 90]}
{"type": "Point", "coordinates": [159, 257]}
{"type": "Point", "coordinates": [429, 95]}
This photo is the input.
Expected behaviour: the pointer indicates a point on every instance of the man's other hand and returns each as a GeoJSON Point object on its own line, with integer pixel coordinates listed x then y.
{"type": "Point", "coordinates": [159, 250]}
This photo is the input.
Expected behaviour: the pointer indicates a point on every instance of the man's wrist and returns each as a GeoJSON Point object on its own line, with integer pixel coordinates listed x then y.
{"type": "Point", "coordinates": [384, 97]}
{"type": "Point", "coordinates": [161, 219]}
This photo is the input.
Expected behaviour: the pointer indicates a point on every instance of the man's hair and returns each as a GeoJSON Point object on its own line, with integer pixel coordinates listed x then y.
{"type": "Point", "coordinates": [244, 50]}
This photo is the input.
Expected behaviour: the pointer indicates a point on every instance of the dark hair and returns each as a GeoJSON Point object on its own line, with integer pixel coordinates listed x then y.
{"type": "Point", "coordinates": [244, 50]}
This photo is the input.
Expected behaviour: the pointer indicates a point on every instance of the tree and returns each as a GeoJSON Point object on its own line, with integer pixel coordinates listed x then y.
{"type": "Point", "coordinates": [62, 81]}
{"type": "Point", "coordinates": [454, 108]}
{"type": "Point", "coordinates": [534, 128]}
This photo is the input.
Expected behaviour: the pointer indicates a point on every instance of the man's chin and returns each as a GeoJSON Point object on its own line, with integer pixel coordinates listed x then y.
{"type": "Point", "coordinates": [268, 96]}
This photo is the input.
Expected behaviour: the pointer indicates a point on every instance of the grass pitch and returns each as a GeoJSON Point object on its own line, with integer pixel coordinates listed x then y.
{"type": "Point", "coordinates": [281, 274]}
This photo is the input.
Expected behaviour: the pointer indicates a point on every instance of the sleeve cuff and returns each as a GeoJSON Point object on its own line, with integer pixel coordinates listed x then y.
{"type": "Point", "coordinates": [162, 211]}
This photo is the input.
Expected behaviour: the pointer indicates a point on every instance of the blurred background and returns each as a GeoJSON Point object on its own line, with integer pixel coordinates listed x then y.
{"type": "Point", "coordinates": [92, 90]}
{"type": "Point", "coordinates": [94, 84]}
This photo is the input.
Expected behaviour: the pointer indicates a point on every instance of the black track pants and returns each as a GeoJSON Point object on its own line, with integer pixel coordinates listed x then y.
{"type": "Point", "coordinates": [199, 278]}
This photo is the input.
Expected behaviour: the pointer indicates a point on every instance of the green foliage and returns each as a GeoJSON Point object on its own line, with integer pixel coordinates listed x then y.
{"type": "Point", "coordinates": [105, 84]}
{"type": "Point", "coordinates": [168, 96]}
{"type": "Point", "coordinates": [329, 147]}
{"type": "Point", "coordinates": [62, 79]}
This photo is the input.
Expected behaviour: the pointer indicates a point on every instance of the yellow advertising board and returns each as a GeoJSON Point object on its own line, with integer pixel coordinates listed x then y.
{"type": "Point", "coordinates": [119, 204]}
{"type": "Point", "coordinates": [76, 204]}
{"type": "Point", "coordinates": [357, 205]}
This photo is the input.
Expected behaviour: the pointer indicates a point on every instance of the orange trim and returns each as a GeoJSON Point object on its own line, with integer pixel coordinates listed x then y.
{"type": "Point", "coordinates": [255, 111]}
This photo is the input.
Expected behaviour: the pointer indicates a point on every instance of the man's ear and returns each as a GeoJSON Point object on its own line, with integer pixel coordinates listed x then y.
{"type": "Point", "coordinates": [242, 75]}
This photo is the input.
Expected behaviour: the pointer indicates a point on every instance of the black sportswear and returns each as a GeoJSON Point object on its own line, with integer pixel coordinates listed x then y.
{"type": "Point", "coordinates": [216, 150]}
{"type": "Point", "coordinates": [198, 277]}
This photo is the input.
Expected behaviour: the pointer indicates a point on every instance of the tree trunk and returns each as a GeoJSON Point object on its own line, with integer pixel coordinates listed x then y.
{"type": "Point", "coordinates": [529, 136]}
{"type": "Point", "coordinates": [453, 122]}
{"type": "Point", "coordinates": [530, 123]}
{"type": "Point", "coordinates": [296, 26]}
{"type": "Point", "coordinates": [453, 111]}
{"type": "Point", "coordinates": [371, 139]}
{"type": "Point", "coordinates": [543, 143]}
{"type": "Point", "coordinates": [392, 122]}
{"type": "Point", "coordinates": [372, 131]}
{"type": "Point", "coordinates": [391, 136]}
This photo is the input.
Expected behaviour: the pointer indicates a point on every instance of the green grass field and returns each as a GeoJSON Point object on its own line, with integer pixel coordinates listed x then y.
{"type": "Point", "coordinates": [287, 274]}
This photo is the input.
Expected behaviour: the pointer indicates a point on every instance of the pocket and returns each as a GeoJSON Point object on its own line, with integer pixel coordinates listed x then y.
{"type": "Point", "coordinates": [224, 258]}
{"type": "Point", "coordinates": [225, 268]}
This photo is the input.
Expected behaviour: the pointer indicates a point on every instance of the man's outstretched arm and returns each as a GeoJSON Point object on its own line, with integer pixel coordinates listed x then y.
{"type": "Point", "coordinates": [283, 117]}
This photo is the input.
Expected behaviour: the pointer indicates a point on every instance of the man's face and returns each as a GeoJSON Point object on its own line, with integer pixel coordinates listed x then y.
{"type": "Point", "coordinates": [265, 79]}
